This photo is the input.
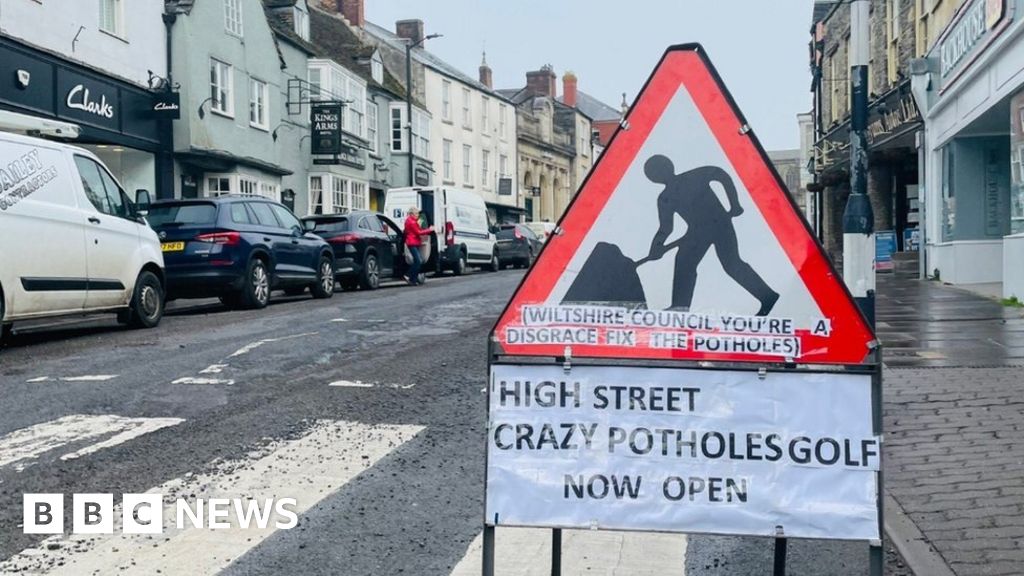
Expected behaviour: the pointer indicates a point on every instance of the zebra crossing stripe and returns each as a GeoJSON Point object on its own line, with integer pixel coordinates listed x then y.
{"type": "Point", "coordinates": [308, 469]}
{"type": "Point", "coordinates": [527, 552]}
{"type": "Point", "coordinates": [22, 446]}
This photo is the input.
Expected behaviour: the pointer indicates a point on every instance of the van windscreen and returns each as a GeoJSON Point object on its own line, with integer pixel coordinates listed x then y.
{"type": "Point", "coordinates": [182, 215]}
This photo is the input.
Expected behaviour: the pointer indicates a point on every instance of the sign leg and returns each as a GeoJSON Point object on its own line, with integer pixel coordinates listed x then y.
{"type": "Point", "coordinates": [556, 552]}
{"type": "Point", "coordinates": [488, 551]}
{"type": "Point", "coordinates": [876, 559]}
{"type": "Point", "coordinates": [780, 557]}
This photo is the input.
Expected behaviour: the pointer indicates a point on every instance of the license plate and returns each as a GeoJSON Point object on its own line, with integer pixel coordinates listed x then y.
{"type": "Point", "coordinates": [172, 246]}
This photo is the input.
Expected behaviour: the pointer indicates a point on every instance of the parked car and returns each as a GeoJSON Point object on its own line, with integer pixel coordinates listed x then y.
{"type": "Point", "coordinates": [543, 230]}
{"type": "Point", "coordinates": [239, 248]}
{"type": "Point", "coordinates": [463, 233]}
{"type": "Point", "coordinates": [368, 247]}
{"type": "Point", "coordinates": [71, 241]}
{"type": "Point", "coordinates": [517, 245]}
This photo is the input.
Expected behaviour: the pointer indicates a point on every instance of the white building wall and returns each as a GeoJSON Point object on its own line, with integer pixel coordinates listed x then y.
{"type": "Point", "coordinates": [474, 136]}
{"type": "Point", "coordinates": [54, 24]}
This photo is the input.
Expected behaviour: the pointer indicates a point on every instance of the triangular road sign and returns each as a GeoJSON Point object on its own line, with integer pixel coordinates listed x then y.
{"type": "Point", "coordinates": [683, 244]}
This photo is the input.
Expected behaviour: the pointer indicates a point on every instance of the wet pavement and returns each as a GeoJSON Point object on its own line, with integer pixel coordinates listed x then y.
{"type": "Point", "coordinates": [929, 324]}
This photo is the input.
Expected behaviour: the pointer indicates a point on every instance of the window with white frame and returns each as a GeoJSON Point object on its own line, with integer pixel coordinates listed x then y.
{"type": "Point", "coordinates": [356, 96]}
{"type": "Point", "coordinates": [258, 104]}
{"type": "Point", "coordinates": [270, 190]}
{"type": "Point", "coordinates": [316, 194]}
{"type": "Point", "coordinates": [329, 81]}
{"type": "Point", "coordinates": [233, 17]}
{"type": "Point", "coordinates": [446, 100]}
{"type": "Point", "coordinates": [420, 133]}
{"type": "Point", "coordinates": [467, 108]}
{"type": "Point", "coordinates": [339, 196]}
{"type": "Point", "coordinates": [359, 199]}
{"type": "Point", "coordinates": [301, 19]}
{"type": "Point", "coordinates": [397, 133]}
{"type": "Point", "coordinates": [502, 111]}
{"type": "Point", "coordinates": [218, 185]}
{"type": "Point", "coordinates": [315, 83]}
{"type": "Point", "coordinates": [112, 17]}
{"type": "Point", "coordinates": [485, 168]}
{"type": "Point", "coordinates": [485, 119]}
{"type": "Point", "coordinates": [221, 88]}
{"type": "Point", "coordinates": [467, 165]}
{"type": "Point", "coordinates": [377, 68]}
{"type": "Point", "coordinates": [371, 126]}
{"type": "Point", "coordinates": [503, 165]}
{"type": "Point", "coordinates": [446, 152]}
{"type": "Point", "coordinates": [248, 186]}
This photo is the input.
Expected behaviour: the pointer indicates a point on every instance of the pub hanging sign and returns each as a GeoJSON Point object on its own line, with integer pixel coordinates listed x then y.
{"type": "Point", "coordinates": [325, 121]}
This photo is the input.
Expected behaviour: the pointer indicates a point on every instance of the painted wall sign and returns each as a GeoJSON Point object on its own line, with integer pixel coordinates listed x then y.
{"type": "Point", "coordinates": [968, 35]}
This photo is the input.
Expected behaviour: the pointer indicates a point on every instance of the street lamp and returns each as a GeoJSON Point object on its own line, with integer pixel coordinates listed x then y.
{"type": "Point", "coordinates": [408, 93]}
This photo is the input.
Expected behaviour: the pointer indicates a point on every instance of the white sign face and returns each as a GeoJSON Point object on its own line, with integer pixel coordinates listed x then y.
{"type": "Point", "coordinates": [682, 450]}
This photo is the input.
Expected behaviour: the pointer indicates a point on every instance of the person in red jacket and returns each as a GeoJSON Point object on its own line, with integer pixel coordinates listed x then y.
{"type": "Point", "coordinates": [413, 240]}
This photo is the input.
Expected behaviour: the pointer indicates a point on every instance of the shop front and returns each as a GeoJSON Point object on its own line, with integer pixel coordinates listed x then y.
{"type": "Point", "coordinates": [123, 124]}
{"type": "Point", "coordinates": [973, 87]}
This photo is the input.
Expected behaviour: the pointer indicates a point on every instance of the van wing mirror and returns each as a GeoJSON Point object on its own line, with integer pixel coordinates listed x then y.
{"type": "Point", "coordinates": [142, 200]}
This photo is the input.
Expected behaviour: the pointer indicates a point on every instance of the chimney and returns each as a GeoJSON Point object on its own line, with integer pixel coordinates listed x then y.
{"type": "Point", "coordinates": [485, 73]}
{"type": "Point", "coordinates": [542, 82]}
{"type": "Point", "coordinates": [353, 11]}
{"type": "Point", "coordinates": [624, 105]}
{"type": "Point", "coordinates": [411, 30]}
{"type": "Point", "coordinates": [569, 89]}
{"type": "Point", "coordinates": [332, 6]}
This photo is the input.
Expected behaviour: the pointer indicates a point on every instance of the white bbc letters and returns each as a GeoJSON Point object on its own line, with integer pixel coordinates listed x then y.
{"type": "Point", "coordinates": [43, 513]}
{"type": "Point", "coordinates": [142, 514]}
{"type": "Point", "coordinates": [93, 513]}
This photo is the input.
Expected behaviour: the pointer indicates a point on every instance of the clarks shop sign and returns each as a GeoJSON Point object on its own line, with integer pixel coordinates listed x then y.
{"type": "Point", "coordinates": [87, 100]}
{"type": "Point", "coordinates": [976, 25]}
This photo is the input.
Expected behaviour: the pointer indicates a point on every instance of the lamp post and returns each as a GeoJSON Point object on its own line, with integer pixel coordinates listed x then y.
{"type": "Point", "coordinates": [408, 94]}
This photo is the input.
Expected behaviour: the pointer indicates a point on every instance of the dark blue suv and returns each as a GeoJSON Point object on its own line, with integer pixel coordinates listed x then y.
{"type": "Point", "coordinates": [239, 248]}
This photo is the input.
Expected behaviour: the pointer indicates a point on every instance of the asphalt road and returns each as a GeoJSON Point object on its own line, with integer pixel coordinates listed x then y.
{"type": "Point", "coordinates": [367, 408]}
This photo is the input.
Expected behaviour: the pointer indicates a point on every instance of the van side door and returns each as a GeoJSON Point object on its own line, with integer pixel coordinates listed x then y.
{"type": "Point", "coordinates": [42, 262]}
{"type": "Point", "coordinates": [112, 237]}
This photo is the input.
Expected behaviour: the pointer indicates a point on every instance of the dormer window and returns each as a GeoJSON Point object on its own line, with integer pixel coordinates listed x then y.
{"type": "Point", "coordinates": [377, 68]}
{"type": "Point", "coordinates": [301, 18]}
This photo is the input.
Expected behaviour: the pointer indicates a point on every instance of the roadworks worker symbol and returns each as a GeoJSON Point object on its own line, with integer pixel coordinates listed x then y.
{"type": "Point", "coordinates": [684, 244]}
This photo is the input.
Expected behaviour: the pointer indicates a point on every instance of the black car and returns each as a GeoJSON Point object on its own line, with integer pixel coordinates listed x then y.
{"type": "Point", "coordinates": [368, 247]}
{"type": "Point", "coordinates": [517, 246]}
{"type": "Point", "coordinates": [239, 248]}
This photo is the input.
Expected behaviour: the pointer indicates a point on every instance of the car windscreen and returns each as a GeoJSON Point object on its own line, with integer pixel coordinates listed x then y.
{"type": "Point", "coordinates": [162, 215]}
{"type": "Point", "coordinates": [332, 226]}
{"type": "Point", "coordinates": [506, 233]}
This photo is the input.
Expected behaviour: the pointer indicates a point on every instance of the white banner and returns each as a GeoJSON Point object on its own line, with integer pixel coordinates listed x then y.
{"type": "Point", "coordinates": [682, 450]}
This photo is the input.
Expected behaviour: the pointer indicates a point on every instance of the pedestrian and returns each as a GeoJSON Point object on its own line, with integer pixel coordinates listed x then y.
{"type": "Point", "coordinates": [413, 240]}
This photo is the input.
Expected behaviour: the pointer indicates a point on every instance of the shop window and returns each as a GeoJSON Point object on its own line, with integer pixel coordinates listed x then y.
{"type": "Point", "coordinates": [112, 17]}
{"type": "Point", "coordinates": [359, 199]}
{"type": "Point", "coordinates": [948, 196]}
{"type": "Point", "coordinates": [221, 88]}
{"type": "Point", "coordinates": [1017, 164]}
{"type": "Point", "coordinates": [270, 190]}
{"type": "Point", "coordinates": [248, 186]}
{"type": "Point", "coordinates": [233, 17]}
{"type": "Point", "coordinates": [258, 104]}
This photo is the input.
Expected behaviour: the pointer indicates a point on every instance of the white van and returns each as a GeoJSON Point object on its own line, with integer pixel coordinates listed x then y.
{"type": "Point", "coordinates": [464, 233]}
{"type": "Point", "coordinates": [71, 241]}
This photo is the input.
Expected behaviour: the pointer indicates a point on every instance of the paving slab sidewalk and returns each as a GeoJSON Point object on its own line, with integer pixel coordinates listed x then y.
{"type": "Point", "coordinates": [954, 428]}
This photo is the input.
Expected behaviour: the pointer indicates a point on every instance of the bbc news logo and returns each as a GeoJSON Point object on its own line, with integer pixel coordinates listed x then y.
{"type": "Point", "coordinates": [144, 513]}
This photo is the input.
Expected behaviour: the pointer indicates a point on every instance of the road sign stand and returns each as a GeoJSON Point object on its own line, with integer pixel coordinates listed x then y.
{"type": "Point", "coordinates": [780, 557]}
{"type": "Point", "coordinates": [556, 552]}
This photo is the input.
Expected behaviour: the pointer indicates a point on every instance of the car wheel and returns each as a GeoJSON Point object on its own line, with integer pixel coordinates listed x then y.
{"type": "Point", "coordinates": [324, 286]}
{"type": "Point", "coordinates": [256, 291]}
{"type": "Point", "coordinates": [495, 264]}
{"type": "Point", "coordinates": [460, 265]}
{"type": "Point", "coordinates": [147, 305]}
{"type": "Point", "coordinates": [370, 278]}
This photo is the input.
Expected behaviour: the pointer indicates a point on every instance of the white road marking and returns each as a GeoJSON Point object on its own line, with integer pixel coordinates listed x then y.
{"type": "Point", "coordinates": [254, 345]}
{"type": "Point", "coordinates": [339, 320]}
{"type": "Point", "coordinates": [96, 378]}
{"type": "Point", "coordinates": [527, 552]}
{"type": "Point", "coordinates": [213, 369]}
{"type": "Point", "coordinates": [29, 443]}
{"type": "Point", "coordinates": [40, 379]}
{"type": "Point", "coordinates": [308, 469]}
{"type": "Point", "coordinates": [203, 381]}
{"type": "Point", "coordinates": [348, 384]}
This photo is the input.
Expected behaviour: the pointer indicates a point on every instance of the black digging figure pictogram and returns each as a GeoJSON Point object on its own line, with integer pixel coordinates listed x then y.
{"type": "Point", "coordinates": [608, 276]}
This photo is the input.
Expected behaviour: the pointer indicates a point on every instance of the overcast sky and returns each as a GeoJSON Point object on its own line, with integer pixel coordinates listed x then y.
{"type": "Point", "coordinates": [758, 46]}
